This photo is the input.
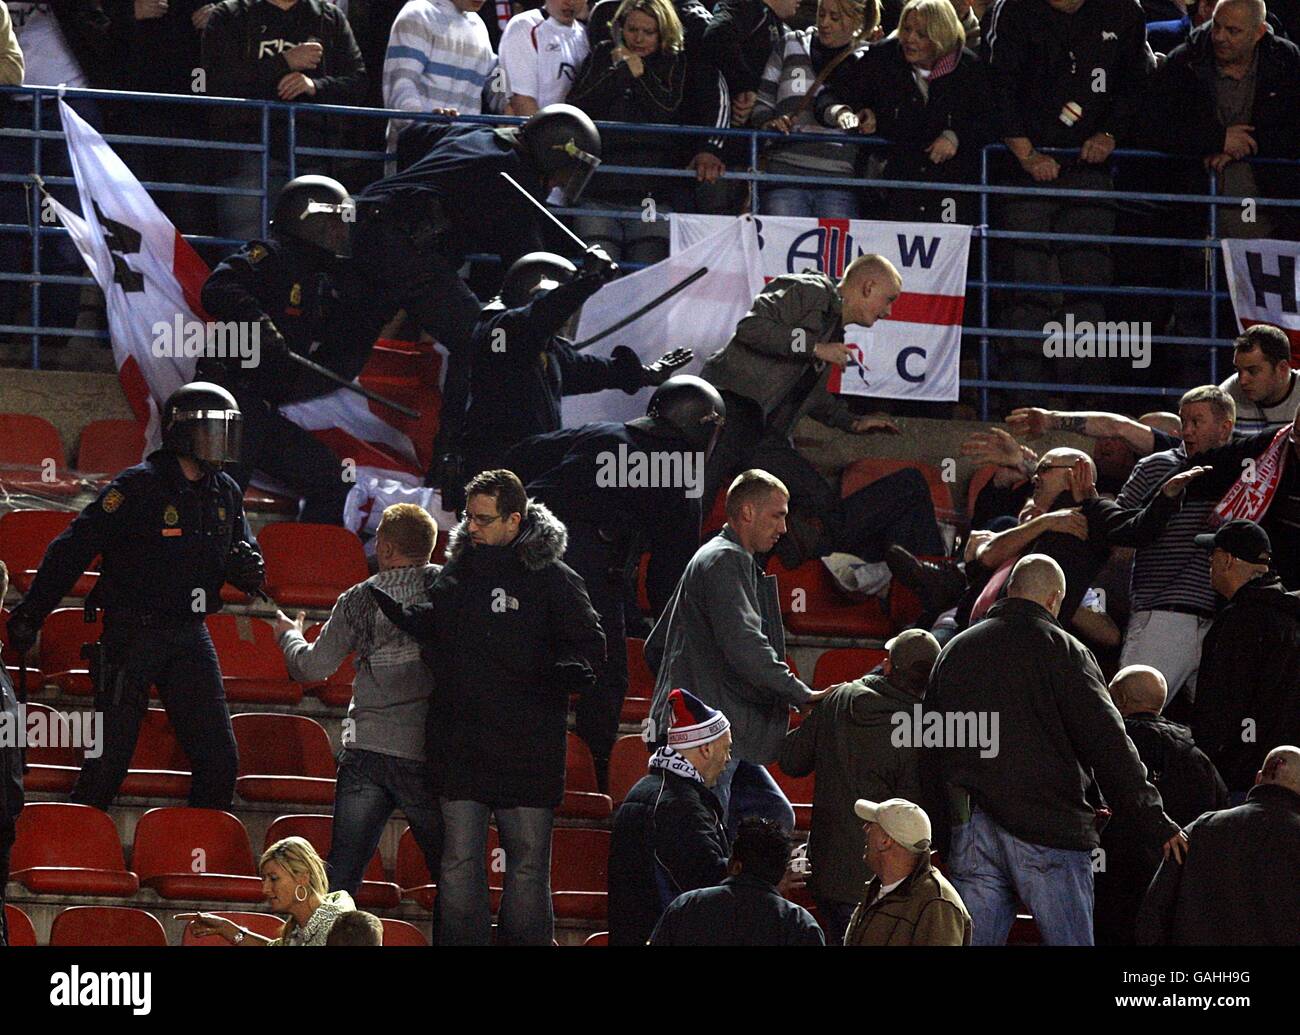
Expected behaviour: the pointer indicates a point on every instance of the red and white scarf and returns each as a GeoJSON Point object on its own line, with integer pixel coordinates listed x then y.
{"type": "Point", "coordinates": [1250, 497]}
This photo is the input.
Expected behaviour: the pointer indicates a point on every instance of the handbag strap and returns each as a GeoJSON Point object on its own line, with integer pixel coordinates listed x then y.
{"type": "Point", "coordinates": [822, 76]}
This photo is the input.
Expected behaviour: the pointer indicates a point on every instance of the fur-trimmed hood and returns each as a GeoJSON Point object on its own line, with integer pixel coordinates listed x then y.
{"type": "Point", "coordinates": [542, 538]}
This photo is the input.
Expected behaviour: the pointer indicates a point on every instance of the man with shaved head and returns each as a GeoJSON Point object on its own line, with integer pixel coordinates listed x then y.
{"type": "Point", "coordinates": [1020, 813]}
{"type": "Point", "coordinates": [1230, 93]}
{"type": "Point", "coordinates": [1188, 784]}
{"type": "Point", "coordinates": [1238, 885]}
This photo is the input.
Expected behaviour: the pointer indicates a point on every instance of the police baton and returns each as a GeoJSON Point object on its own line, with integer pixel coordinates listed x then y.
{"type": "Point", "coordinates": [351, 386]}
{"type": "Point", "coordinates": [544, 211]}
{"type": "Point", "coordinates": [654, 303]}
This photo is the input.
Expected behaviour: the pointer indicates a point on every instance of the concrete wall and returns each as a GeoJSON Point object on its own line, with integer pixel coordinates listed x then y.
{"type": "Point", "coordinates": [68, 400]}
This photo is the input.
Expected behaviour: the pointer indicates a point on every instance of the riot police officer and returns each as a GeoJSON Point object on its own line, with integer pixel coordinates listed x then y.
{"type": "Point", "coordinates": [623, 490]}
{"type": "Point", "coordinates": [415, 228]}
{"type": "Point", "coordinates": [300, 296]}
{"type": "Point", "coordinates": [522, 365]}
{"type": "Point", "coordinates": [169, 531]}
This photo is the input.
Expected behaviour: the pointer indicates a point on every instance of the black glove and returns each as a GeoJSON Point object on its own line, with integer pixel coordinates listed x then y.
{"type": "Point", "coordinates": [665, 366]}
{"type": "Point", "coordinates": [391, 608]}
{"type": "Point", "coordinates": [271, 341]}
{"type": "Point", "coordinates": [22, 633]}
{"type": "Point", "coordinates": [245, 569]}
{"type": "Point", "coordinates": [416, 620]}
{"type": "Point", "coordinates": [597, 265]}
{"type": "Point", "coordinates": [571, 677]}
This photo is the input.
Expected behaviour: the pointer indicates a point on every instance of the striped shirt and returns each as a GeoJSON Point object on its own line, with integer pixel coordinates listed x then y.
{"type": "Point", "coordinates": [1251, 417]}
{"type": "Point", "coordinates": [438, 57]}
{"type": "Point", "coordinates": [1172, 573]}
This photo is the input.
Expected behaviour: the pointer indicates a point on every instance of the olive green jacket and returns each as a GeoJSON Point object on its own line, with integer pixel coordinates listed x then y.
{"type": "Point", "coordinates": [773, 345]}
{"type": "Point", "coordinates": [924, 910]}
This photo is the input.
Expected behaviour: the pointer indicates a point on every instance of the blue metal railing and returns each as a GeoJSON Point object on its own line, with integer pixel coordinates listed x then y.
{"type": "Point", "coordinates": [42, 101]}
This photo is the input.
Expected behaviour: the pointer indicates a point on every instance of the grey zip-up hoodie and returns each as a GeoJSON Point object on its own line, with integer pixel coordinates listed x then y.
{"type": "Point", "coordinates": [390, 697]}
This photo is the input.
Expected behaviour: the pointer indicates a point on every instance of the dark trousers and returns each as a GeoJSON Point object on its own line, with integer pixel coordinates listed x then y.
{"type": "Point", "coordinates": [834, 918]}
{"type": "Point", "coordinates": [600, 707]}
{"type": "Point", "coordinates": [293, 456]}
{"type": "Point", "coordinates": [1058, 262]}
{"type": "Point", "coordinates": [894, 510]}
{"type": "Point", "coordinates": [399, 254]}
{"type": "Point", "coordinates": [370, 786]}
{"type": "Point", "coordinates": [181, 662]}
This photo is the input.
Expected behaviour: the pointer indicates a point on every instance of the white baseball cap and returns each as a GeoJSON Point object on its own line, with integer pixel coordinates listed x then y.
{"type": "Point", "coordinates": [900, 819]}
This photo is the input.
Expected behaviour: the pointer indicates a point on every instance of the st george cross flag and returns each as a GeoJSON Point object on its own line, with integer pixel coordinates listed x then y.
{"type": "Point", "coordinates": [913, 354]}
{"type": "Point", "coordinates": [702, 316]}
{"type": "Point", "coordinates": [152, 278]}
{"type": "Point", "coordinates": [1264, 281]}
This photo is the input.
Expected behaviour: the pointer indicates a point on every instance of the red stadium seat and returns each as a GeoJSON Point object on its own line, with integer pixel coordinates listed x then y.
{"type": "Point", "coordinates": [579, 873]}
{"type": "Point", "coordinates": [799, 789]}
{"type": "Point", "coordinates": [159, 768]}
{"type": "Point", "coordinates": [336, 691]}
{"type": "Point", "coordinates": [110, 446]}
{"type": "Point", "coordinates": [412, 872]}
{"type": "Point", "coordinates": [107, 925]}
{"type": "Point", "coordinates": [627, 764]}
{"type": "Point", "coordinates": [400, 933]}
{"type": "Point", "coordinates": [63, 635]}
{"type": "Point", "coordinates": [24, 535]}
{"type": "Point", "coordinates": [582, 797]}
{"type": "Point", "coordinates": [195, 854]}
{"type": "Point", "coordinates": [21, 932]}
{"type": "Point", "coordinates": [52, 770]}
{"type": "Point", "coordinates": [375, 892]}
{"type": "Point", "coordinates": [27, 444]}
{"type": "Point", "coordinates": [65, 849]}
{"type": "Point", "coordinates": [599, 938]}
{"type": "Point", "coordinates": [283, 758]}
{"type": "Point", "coordinates": [844, 665]}
{"type": "Point", "coordinates": [811, 604]}
{"type": "Point", "coordinates": [265, 924]}
{"type": "Point", "coordinates": [862, 473]}
{"type": "Point", "coordinates": [252, 666]}
{"type": "Point", "coordinates": [11, 657]}
{"type": "Point", "coordinates": [640, 684]}
{"type": "Point", "coordinates": [310, 565]}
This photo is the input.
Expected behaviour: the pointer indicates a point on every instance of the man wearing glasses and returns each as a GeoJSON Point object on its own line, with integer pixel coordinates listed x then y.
{"type": "Point", "coordinates": [509, 632]}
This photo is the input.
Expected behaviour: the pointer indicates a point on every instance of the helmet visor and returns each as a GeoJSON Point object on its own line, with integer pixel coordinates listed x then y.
{"type": "Point", "coordinates": [583, 164]}
{"type": "Point", "coordinates": [215, 435]}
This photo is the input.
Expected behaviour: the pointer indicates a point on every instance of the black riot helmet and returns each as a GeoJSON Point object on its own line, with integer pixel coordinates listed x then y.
{"type": "Point", "coordinates": [201, 420]}
{"type": "Point", "coordinates": [685, 406]}
{"type": "Point", "coordinates": [562, 139]}
{"type": "Point", "coordinates": [317, 211]}
{"type": "Point", "coordinates": [536, 271]}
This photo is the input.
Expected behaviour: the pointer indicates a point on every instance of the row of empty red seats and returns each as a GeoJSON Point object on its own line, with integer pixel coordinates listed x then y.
{"type": "Point", "coordinates": [307, 565]}
{"type": "Point", "coordinates": [205, 854]}
{"type": "Point", "coordinates": [282, 758]}
{"type": "Point", "coordinates": [79, 926]}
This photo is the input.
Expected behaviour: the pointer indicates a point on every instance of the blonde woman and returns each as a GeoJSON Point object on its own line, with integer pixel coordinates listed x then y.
{"type": "Point", "coordinates": [928, 94]}
{"type": "Point", "coordinates": [799, 66]}
{"type": "Point", "coordinates": [637, 75]}
{"type": "Point", "coordinates": [293, 882]}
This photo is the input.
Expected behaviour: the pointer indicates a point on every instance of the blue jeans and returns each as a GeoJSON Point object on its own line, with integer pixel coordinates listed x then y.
{"type": "Point", "coordinates": [745, 789]}
{"type": "Point", "coordinates": [370, 786]}
{"type": "Point", "coordinates": [817, 202]}
{"type": "Point", "coordinates": [991, 868]}
{"type": "Point", "coordinates": [526, 917]}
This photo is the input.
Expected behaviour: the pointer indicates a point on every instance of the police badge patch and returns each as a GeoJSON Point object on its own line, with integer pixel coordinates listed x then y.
{"type": "Point", "coordinates": [170, 515]}
{"type": "Point", "coordinates": [256, 253]}
{"type": "Point", "coordinates": [112, 500]}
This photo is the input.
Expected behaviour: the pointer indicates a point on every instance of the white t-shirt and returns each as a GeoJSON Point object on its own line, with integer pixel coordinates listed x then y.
{"type": "Point", "coordinates": [885, 889]}
{"type": "Point", "coordinates": [541, 57]}
{"type": "Point", "coordinates": [47, 58]}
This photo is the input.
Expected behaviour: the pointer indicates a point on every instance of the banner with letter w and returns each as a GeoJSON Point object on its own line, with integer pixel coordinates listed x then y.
{"type": "Point", "coordinates": [916, 352]}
